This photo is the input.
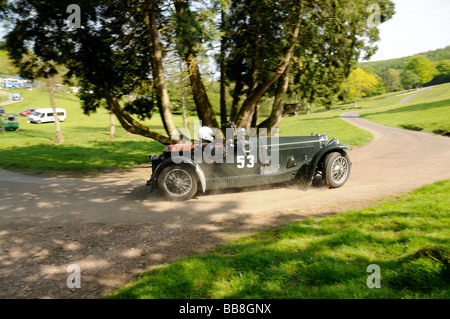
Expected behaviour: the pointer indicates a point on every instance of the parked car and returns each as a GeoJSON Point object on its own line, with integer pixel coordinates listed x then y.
{"type": "Point", "coordinates": [9, 121]}
{"type": "Point", "coordinates": [45, 115]}
{"type": "Point", "coordinates": [2, 110]}
{"type": "Point", "coordinates": [27, 112]}
{"type": "Point", "coordinates": [242, 161]}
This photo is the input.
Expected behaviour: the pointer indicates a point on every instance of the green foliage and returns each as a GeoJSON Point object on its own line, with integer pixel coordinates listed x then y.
{"type": "Point", "coordinates": [112, 53]}
{"type": "Point", "coordinates": [385, 69]}
{"type": "Point", "coordinates": [392, 80]}
{"type": "Point", "coordinates": [398, 63]}
{"type": "Point", "coordinates": [410, 79]}
{"type": "Point", "coordinates": [6, 67]}
{"type": "Point", "coordinates": [141, 106]}
{"type": "Point", "coordinates": [328, 47]}
{"type": "Point", "coordinates": [423, 67]}
{"type": "Point", "coordinates": [359, 84]}
{"type": "Point", "coordinates": [322, 257]}
{"type": "Point", "coordinates": [101, 51]}
{"type": "Point", "coordinates": [443, 67]}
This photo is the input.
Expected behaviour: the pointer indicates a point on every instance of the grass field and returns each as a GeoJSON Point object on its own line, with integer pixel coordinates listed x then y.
{"type": "Point", "coordinates": [406, 236]}
{"type": "Point", "coordinates": [87, 148]}
{"type": "Point", "coordinates": [429, 112]}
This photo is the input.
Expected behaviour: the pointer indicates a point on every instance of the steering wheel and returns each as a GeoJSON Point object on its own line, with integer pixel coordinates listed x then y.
{"type": "Point", "coordinates": [246, 146]}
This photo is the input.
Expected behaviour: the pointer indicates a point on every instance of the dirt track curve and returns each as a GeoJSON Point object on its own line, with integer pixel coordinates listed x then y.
{"type": "Point", "coordinates": [112, 228]}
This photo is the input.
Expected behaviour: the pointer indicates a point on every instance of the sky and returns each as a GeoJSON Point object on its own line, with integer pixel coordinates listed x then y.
{"type": "Point", "coordinates": [417, 26]}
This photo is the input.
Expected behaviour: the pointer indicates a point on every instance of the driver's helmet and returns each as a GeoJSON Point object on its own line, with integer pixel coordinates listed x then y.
{"type": "Point", "coordinates": [206, 133]}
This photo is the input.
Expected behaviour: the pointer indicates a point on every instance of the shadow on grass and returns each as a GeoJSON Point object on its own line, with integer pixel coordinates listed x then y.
{"type": "Point", "coordinates": [66, 157]}
{"type": "Point", "coordinates": [299, 261]}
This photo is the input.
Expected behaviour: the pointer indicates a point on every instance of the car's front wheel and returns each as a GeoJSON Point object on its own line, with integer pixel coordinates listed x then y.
{"type": "Point", "coordinates": [177, 183]}
{"type": "Point", "coordinates": [336, 169]}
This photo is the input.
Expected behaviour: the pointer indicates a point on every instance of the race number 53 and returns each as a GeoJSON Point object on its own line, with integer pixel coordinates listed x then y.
{"type": "Point", "coordinates": [242, 160]}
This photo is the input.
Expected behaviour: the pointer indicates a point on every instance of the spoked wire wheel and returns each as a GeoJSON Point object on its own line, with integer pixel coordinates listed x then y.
{"type": "Point", "coordinates": [336, 170]}
{"type": "Point", "coordinates": [177, 183]}
{"type": "Point", "coordinates": [339, 170]}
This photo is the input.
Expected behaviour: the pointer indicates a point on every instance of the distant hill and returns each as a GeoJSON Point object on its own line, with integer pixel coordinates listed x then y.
{"type": "Point", "coordinates": [378, 66]}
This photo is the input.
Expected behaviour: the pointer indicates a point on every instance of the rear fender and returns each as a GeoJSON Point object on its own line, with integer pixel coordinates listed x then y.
{"type": "Point", "coordinates": [177, 160]}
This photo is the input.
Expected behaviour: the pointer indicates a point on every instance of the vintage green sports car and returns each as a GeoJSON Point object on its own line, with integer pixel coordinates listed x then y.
{"type": "Point", "coordinates": [243, 159]}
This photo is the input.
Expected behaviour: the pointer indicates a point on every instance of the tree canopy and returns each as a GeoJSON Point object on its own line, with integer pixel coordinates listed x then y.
{"type": "Point", "coordinates": [410, 79]}
{"type": "Point", "coordinates": [267, 48]}
{"type": "Point", "coordinates": [423, 67]}
{"type": "Point", "coordinates": [359, 84]}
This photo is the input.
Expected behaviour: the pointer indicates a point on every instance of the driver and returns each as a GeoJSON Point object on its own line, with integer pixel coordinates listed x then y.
{"type": "Point", "coordinates": [212, 151]}
{"type": "Point", "coordinates": [205, 135]}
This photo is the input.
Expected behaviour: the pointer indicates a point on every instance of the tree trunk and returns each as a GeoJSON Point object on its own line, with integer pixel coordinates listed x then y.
{"type": "Point", "coordinates": [223, 85]}
{"type": "Point", "coordinates": [255, 115]}
{"type": "Point", "coordinates": [236, 97]}
{"type": "Point", "coordinates": [59, 136]}
{"type": "Point", "coordinates": [184, 107]}
{"type": "Point", "coordinates": [163, 100]}
{"type": "Point", "coordinates": [112, 125]}
{"type": "Point", "coordinates": [129, 123]}
{"type": "Point", "coordinates": [203, 106]}
{"type": "Point", "coordinates": [245, 115]}
{"type": "Point", "coordinates": [274, 119]}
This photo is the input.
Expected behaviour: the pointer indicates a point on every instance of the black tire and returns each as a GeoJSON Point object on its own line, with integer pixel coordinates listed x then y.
{"type": "Point", "coordinates": [336, 169]}
{"type": "Point", "coordinates": [177, 182]}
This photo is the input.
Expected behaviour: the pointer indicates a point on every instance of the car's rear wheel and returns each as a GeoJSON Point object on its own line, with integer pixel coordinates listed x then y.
{"type": "Point", "coordinates": [177, 182]}
{"type": "Point", "coordinates": [336, 169]}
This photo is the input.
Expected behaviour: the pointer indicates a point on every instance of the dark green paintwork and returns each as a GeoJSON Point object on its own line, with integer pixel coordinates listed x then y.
{"type": "Point", "coordinates": [299, 157]}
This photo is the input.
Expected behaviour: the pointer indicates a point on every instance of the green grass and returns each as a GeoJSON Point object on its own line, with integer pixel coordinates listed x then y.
{"type": "Point", "coordinates": [323, 257]}
{"type": "Point", "coordinates": [325, 122]}
{"type": "Point", "coordinates": [329, 121]}
{"type": "Point", "coordinates": [87, 148]}
{"type": "Point", "coordinates": [428, 112]}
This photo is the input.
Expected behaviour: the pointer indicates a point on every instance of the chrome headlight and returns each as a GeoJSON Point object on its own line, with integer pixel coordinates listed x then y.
{"type": "Point", "coordinates": [334, 141]}
{"type": "Point", "coordinates": [323, 140]}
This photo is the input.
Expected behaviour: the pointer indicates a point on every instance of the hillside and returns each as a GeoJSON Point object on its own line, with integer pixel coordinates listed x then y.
{"type": "Point", "coordinates": [378, 66]}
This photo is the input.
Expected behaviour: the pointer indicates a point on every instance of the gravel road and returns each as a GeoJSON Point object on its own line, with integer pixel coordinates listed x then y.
{"type": "Point", "coordinates": [112, 228]}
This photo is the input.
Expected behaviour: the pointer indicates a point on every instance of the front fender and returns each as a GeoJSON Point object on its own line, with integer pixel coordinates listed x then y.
{"type": "Point", "coordinates": [177, 160]}
{"type": "Point", "coordinates": [320, 155]}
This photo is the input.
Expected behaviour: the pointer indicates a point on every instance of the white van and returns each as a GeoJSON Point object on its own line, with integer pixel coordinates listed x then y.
{"type": "Point", "coordinates": [46, 115]}
{"type": "Point", "coordinates": [16, 97]}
